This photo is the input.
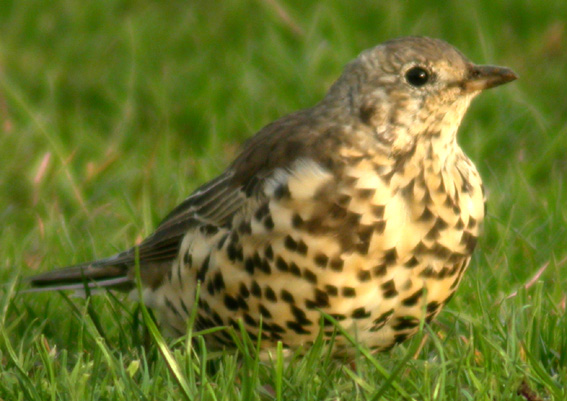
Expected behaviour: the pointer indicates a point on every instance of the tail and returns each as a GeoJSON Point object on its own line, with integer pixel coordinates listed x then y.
{"type": "Point", "coordinates": [104, 273]}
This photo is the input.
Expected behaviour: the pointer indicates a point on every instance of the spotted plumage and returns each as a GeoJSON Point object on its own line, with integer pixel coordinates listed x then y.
{"type": "Point", "coordinates": [363, 207]}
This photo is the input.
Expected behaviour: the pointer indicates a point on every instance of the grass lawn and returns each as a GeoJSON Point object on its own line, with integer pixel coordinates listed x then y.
{"type": "Point", "coordinates": [111, 112]}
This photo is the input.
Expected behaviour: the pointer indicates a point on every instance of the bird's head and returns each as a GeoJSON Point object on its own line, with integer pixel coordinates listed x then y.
{"type": "Point", "coordinates": [414, 87]}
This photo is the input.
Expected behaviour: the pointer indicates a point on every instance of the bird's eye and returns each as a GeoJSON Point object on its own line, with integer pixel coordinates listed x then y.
{"type": "Point", "coordinates": [417, 76]}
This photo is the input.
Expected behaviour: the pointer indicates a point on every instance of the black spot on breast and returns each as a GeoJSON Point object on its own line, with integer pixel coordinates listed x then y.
{"type": "Point", "coordinates": [337, 264]}
{"type": "Point", "coordinates": [350, 181]}
{"type": "Point", "coordinates": [290, 243]}
{"type": "Point", "coordinates": [184, 306]}
{"type": "Point", "coordinates": [179, 277]}
{"type": "Point", "coordinates": [441, 274]}
{"type": "Point", "coordinates": [244, 292]}
{"type": "Point", "coordinates": [321, 260]}
{"type": "Point", "coordinates": [269, 252]}
{"type": "Point", "coordinates": [407, 191]}
{"type": "Point", "coordinates": [270, 294]}
{"type": "Point", "coordinates": [321, 298]}
{"type": "Point", "coordinates": [412, 262]}
{"type": "Point", "coordinates": [433, 234]}
{"type": "Point", "coordinates": [380, 270]}
{"type": "Point", "coordinates": [208, 229]}
{"type": "Point", "coordinates": [249, 320]}
{"type": "Point", "coordinates": [293, 269]}
{"type": "Point", "coordinates": [400, 338]}
{"type": "Point", "coordinates": [427, 197]}
{"type": "Point", "coordinates": [310, 276]}
{"type": "Point", "coordinates": [387, 177]}
{"type": "Point", "coordinates": [222, 241]}
{"type": "Point", "coordinates": [296, 221]}
{"type": "Point", "coordinates": [299, 329]}
{"type": "Point", "coordinates": [338, 316]}
{"type": "Point", "coordinates": [302, 247]}
{"type": "Point", "coordinates": [233, 323]}
{"type": "Point", "coordinates": [349, 292]}
{"type": "Point", "coordinates": [245, 228]}
{"type": "Point", "coordinates": [472, 223]}
{"type": "Point", "coordinates": [405, 322]}
{"type": "Point", "coordinates": [265, 267]}
{"type": "Point", "coordinates": [276, 328]}
{"type": "Point", "coordinates": [249, 265]}
{"type": "Point", "coordinates": [300, 316]}
{"type": "Point", "coordinates": [262, 211]}
{"type": "Point", "coordinates": [230, 303]}
{"type": "Point", "coordinates": [309, 304]}
{"type": "Point", "coordinates": [343, 200]}
{"type": "Point", "coordinates": [257, 260]}
{"type": "Point", "coordinates": [287, 297]}
{"type": "Point", "coordinates": [441, 251]}
{"type": "Point", "coordinates": [466, 187]}
{"type": "Point", "coordinates": [420, 249]}
{"type": "Point", "coordinates": [365, 233]}
{"type": "Point", "coordinates": [204, 305]}
{"type": "Point", "coordinates": [363, 275]}
{"type": "Point", "coordinates": [426, 215]}
{"type": "Point", "coordinates": [282, 192]}
{"type": "Point", "coordinates": [269, 223]}
{"type": "Point", "coordinates": [353, 219]}
{"type": "Point", "coordinates": [440, 224]}
{"type": "Point", "coordinates": [433, 306]}
{"type": "Point", "coordinates": [187, 259]}
{"type": "Point", "coordinates": [428, 272]}
{"type": "Point", "coordinates": [456, 258]}
{"type": "Point", "coordinates": [234, 252]}
{"type": "Point", "coordinates": [281, 264]}
{"type": "Point", "coordinates": [204, 269]}
{"type": "Point", "coordinates": [360, 313]}
{"type": "Point", "coordinates": [378, 211]}
{"type": "Point", "coordinates": [469, 241]}
{"type": "Point", "coordinates": [383, 317]}
{"type": "Point", "coordinates": [362, 248]}
{"type": "Point", "coordinates": [331, 290]}
{"type": "Point", "coordinates": [252, 183]}
{"type": "Point", "coordinates": [390, 256]}
{"type": "Point", "coordinates": [264, 312]}
{"type": "Point", "coordinates": [413, 299]}
{"type": "Point", "coordinates": [389, 288]}
{"type": "Point", "coordinates": [218, 281]}
{"type": "Point", "coordinates": [365, 193]}
{"type": "Point", "coordinates": [242, 303]}
{"type": "Point", "coordinates": [379, 227]}
{"type": "Point", "coordinates": [210, 288]}
{"type": "Point", "coordinates": [449, 202]}
{"type": "Point", "coordinates": [460, 225]}
{"type": "Point", "coordinates": [255, 289]}
{"type": "Point", "coordinates": [217, 319]}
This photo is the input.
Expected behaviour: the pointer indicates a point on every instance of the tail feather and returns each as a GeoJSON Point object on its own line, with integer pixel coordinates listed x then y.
{"type": "Point", "coordinates": [106, 273]}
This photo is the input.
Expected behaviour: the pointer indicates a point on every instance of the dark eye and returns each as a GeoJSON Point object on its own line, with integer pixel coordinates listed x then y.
{"type": "Point", "coordinates": [417, 76]}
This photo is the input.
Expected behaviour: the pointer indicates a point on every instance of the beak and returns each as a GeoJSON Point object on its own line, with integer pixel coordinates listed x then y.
{"type": "Point", "coordinates": [483, 77]}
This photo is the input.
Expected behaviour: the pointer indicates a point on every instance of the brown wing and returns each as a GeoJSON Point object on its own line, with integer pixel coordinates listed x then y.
{"type": "Point", "coordinates": [277, 145]}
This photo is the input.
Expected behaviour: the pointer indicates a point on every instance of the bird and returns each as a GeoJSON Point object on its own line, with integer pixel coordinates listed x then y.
{"type": "Point", "coordinates": [362, 208]}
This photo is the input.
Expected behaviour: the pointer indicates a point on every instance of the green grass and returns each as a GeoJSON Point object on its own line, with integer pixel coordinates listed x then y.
{"type": "Point", "coordinates": [111, 112]}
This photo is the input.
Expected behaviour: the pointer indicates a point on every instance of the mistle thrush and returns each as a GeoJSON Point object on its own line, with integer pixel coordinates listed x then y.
{"type": "Point", "coordinates": [363, 207]}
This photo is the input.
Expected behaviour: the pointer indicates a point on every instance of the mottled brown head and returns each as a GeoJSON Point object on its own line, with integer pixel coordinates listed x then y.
{"type": "Point", "coordinates": [413, 87]}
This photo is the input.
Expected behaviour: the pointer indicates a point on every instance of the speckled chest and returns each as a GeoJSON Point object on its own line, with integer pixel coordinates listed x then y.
{"type": "Point", "coordinates": [378, 247]}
